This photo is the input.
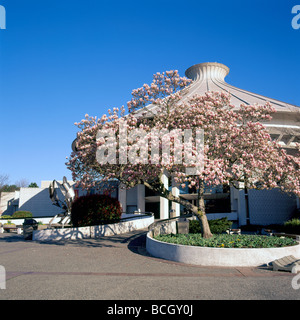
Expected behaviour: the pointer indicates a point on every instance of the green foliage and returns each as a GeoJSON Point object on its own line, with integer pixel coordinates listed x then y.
{"type": "Point", "coordinates": [22, 214]}
{"type": "Point", "coordinates": [6, 216]}
{"type": "Point", "coordinates": [217, 226]}
{"type": "Point", "coordinates": [194, 226]}
{"type": "Point", "coordinates": [95, 209]}
{"type": "Point", "coordinates": [227, 241]}
{"type": "Point", "coordinates": [9, 188]}
{"type": "Point", "coordinates": [33, 185]}
{"type": "Point", "coordinates": [292, 226]}
{"type": "Point", "coordinates": [9, 223]}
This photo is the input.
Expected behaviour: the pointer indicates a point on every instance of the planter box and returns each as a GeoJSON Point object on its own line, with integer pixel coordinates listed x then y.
{"type": "Point", "coordinates": [221, 257]}
{"type": "Point", "coordinates": [9, 228]}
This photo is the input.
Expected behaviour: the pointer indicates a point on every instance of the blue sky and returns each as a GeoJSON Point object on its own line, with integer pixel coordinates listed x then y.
{"type": "Point", "coordinates": [61, 59]}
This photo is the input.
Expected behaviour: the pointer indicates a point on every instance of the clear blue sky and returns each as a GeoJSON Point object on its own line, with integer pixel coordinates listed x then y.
{"type": "Point", "coordinates": [61, 59]}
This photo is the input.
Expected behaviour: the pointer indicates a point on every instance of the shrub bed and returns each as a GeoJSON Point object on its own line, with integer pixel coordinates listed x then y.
{"type": "Point", "coordinates": [9, 223]}
{"type": "Point", "coordinates": [95, 209]}
{"type": "Point", "coordinates": [292, 226]}
{"type": "Point", "coordinates": [22, 214]}
{"type": "Point", "coordinates": [227, 241]}
{"type": "Point", "coordinates": [5, 216]}
{"type": "Point", "coordinates": [216, 226]}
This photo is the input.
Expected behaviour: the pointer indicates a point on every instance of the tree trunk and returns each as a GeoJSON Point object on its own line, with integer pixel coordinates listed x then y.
{"type": "Point", "coordinates": [205, 229]}
{"type": "Point", "coordinates": [199, 211]}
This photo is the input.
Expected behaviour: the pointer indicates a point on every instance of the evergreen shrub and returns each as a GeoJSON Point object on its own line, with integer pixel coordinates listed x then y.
{"type": "Point", "coordinates": [292, 226]}
{"type": "Point", "coordinates": [95, 209]}
{"type": "Point", "coordinates": [217, 226]}
{"type": "Point", "coordinates": [22, 214]}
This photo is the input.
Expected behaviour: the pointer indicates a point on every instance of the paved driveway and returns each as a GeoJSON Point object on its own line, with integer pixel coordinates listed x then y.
{"type": "Point", "coordinates": [119, 268]}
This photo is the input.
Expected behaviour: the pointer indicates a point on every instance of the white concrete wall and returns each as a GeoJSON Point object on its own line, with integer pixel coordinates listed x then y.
{"type": "Point", "coordinates": [46, 220]}
{"type": "Point", "coordinates": [93, 231]}
{"type": "Point", "coordinates": [224, 257]}
{"type": "Point", "coordinates": [37, 201]}
{"type": "Point", "coordinates": [19, 222]}
{"type": "Point", "coordinates": [6, 199]}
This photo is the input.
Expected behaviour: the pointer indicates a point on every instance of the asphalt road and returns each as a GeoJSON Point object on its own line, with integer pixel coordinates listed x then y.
{"type": "Point", "coordinates": [118, 268]}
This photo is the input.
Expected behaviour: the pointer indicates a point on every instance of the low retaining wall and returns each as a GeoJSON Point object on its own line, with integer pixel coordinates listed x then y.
{"type": "Point", "coordinates": [46, 220]}
{"type": "Point", "coordinates": [93, 231]}
{"type": "Point", "coordinates": [225, 257]}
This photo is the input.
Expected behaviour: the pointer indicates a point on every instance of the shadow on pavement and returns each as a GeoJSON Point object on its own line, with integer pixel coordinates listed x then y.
{"type": "Point", "coordinates": [134, 241]}
{"type": "Point", "coordinates": [11, 237]}
{"type": "Point", "coordinates": [138, 245]}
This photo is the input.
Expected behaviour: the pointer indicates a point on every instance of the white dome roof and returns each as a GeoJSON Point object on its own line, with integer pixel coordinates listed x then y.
{"type": "Point", "coordinates": [210, 76]}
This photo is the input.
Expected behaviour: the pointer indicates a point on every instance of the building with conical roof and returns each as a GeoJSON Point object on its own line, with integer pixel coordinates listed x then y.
{"type": "Point", "coordinates": [256, 207]}
{"type": "Point", "coordinates": [259, 207]}
{"type": "Point", "coordinates": [285, 125]}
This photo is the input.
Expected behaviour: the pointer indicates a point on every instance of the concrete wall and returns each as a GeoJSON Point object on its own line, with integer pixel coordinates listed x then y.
{"type": "Point", "coordinates": [37, 201]}
{"type": "Point", "coordinates": [6, 203]}
{"type": "Point", "coordinates": [221, 257]}
{"type": "Point", "coordinates": [93, 231]}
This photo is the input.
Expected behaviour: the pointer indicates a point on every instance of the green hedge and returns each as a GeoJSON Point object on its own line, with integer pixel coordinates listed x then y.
{"type": "Point", "coordinates": [292, 226]}
{"type": "Point", "coordinates": [17, 215]}
{"type": "Point", "coordinates": [95, 209]}
{"type": "Point", "coordinates": [6, 216]}
{"type": "Point", "coordinates": [217, 226]}
{"type": "Point", "coordinates": [22, 214]}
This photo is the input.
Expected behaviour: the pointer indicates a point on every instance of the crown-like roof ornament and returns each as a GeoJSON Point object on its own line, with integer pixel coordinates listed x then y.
{"type": "Point", "coordinates": [207, 70]}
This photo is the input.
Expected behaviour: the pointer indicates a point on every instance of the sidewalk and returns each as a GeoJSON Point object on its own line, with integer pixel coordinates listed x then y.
{"type": "Point", "coordinates": [119, 268]}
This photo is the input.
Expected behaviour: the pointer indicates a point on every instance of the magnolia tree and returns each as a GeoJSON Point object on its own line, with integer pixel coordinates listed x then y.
{"type": "Point", "coordinates": [198, 142]}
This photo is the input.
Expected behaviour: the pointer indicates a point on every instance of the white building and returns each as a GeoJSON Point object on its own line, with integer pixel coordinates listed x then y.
{"type": "Point", "coordinates": [255, 207]}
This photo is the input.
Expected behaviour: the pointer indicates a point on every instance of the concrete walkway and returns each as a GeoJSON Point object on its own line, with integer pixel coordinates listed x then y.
{"type": "Point", "coordinates": [119, 268]}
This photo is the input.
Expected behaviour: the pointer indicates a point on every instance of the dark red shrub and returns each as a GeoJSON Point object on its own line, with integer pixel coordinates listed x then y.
{"type": "Point", "coordinates": [95, 209]}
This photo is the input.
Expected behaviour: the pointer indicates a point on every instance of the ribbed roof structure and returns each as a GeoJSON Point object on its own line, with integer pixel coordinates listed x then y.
{"type": "Point", "coordinates": [211, 77]}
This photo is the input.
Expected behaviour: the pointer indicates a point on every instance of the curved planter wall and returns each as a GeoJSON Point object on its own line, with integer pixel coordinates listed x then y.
{"type": "Point", "coordinates": [93, 231]}
{"type": "Point", "coordinates": [222, 257]}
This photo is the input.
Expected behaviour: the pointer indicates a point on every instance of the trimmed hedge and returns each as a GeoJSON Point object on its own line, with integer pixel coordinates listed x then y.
{"type": "Point", "coordinates": [292, 226]}
{"type": "Point", "coordinates": [5, 216]}
{"type": "Point", "coordinates": [95, 209]}
{"type": "Point", "coordinates": [217, 226]}
{"type": "Point", "coordinates": [22, 214]}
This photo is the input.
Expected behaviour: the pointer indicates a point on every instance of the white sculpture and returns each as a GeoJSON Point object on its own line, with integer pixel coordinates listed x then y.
{"type": "Point", "coordinates": [69, 194]}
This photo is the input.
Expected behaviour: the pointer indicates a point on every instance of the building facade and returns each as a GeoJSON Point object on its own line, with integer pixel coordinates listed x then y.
{"type": "Point", "coordinates": [241, 206]}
